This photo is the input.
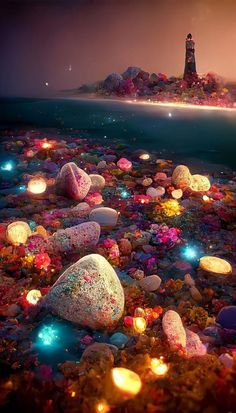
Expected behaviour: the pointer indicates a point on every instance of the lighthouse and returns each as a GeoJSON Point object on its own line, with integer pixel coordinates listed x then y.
{"type": "Point", "coordinates": [190, 72]}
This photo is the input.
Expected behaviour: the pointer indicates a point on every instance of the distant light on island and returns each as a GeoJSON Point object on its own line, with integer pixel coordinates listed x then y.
{"type": "Point", "coordinates": [180, 105]}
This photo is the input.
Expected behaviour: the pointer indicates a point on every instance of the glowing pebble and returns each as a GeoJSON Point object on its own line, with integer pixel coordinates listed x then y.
{"type": "Point", "coordinates": [215, 265]}
{"type": "Point", "coordinates": [158, 367]}
{"type": "Point", "coordinates": [18, 232]}
{"type": "Point", "coordinates": [139, 324]}
{"type": "Point", "coordinates": [37, 185]}
{"type": "Point", "coordinates": [200, 183]}
{"type": "Point", "coordinates": [33, 296]}
{"type": "Point", "coordinates": [88, 293]}
{"type": "Point", "coordinates": [174, 330]}
{"type": "Point", "coordinates": [126, 381]}
{"type": "Point", "coordinates": [104, 216]}
{"type": "Point", "coordinates": [177, 193]}
{"type": "Point", "coordinates": [181, 177]}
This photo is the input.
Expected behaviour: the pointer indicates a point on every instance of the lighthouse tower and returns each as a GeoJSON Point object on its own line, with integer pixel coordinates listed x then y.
{"type": "Point", "coordinates": [190, 72]}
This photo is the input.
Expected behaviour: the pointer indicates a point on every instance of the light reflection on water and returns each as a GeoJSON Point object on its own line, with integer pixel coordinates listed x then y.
{"type": "Point", "coordinates": [199, 137]}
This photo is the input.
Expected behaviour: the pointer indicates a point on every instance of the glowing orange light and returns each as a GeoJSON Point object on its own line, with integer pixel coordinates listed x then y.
{"type": "Point", "coordinates": [158, 367]}
{"type": "Point", "coordinates": [127, 381]}
{"type": "Point", "coordinates": [180, 105]}
{"type": "Point", "coordinates": [102, 407]}
{"type": "Point", "coordinates": [46, 145]}
{"type": "Point", "coordinates": [139, 324]}
{"type": "Point", "coordinates": [205, 198]}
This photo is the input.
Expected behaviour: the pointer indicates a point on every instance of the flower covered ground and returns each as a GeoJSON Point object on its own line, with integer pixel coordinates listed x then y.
{"type": "Point", "coordinates": [177, 330]}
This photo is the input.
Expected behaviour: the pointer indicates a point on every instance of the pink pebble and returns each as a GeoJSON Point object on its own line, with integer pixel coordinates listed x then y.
{"type": "Point", "coordinates": [124, 164]}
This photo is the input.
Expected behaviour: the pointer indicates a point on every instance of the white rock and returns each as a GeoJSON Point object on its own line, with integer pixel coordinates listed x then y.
{"type": "Point", "coordinates": [104, 216]}
{"type": "Point", "coordinates": [98, 182]}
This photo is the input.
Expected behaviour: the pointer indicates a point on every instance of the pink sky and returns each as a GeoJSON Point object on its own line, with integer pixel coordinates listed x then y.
{"type": "Point", "coordinates": [41, 39]}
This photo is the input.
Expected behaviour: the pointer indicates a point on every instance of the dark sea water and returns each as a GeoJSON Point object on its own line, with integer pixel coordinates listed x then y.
{"type": "Point", "coordinates": [202, 138]}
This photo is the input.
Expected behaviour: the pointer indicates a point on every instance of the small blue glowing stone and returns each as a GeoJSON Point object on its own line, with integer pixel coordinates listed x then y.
{"type": "Point", "coordinates": [190, 253]}
{"type": "Point", "coordinates": [22, 188]}
{"type": "Point", "coordinates": [7, 166]}
{"type": "Point", "coordinates": [48, 335]}
{"type": "Point", "coordinates": [124, 194]}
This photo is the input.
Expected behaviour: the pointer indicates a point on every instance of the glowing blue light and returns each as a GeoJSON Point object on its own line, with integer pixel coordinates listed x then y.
{"type": "Point", "coordinates": [190, 253]}
{"type": "Point", "coordinates": [22, 188]}
{"type": "Point", "coordinates": [124, 194]}
{"type": "Point", "coordinates": [7, 166]}
{"type": "Point", "coordinates": [48, 335]}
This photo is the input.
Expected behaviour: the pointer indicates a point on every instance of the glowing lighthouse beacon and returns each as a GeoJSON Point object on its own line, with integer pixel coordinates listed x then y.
{"type": "Point", "coordinates": [190, 72]}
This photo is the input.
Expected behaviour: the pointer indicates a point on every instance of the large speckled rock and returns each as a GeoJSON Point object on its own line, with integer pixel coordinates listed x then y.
{"type": "Point", "coordinates": [75, 238]}
{"type": "Point", "coordinates": [227, 317]}
{"type": "Point", "coordinates": [181, 177]}
{"type": "Point", "coordinates": [88, 293]}
{"type": "Point", "coordinates": [104, 216]}
{"type": "Point", "coordinates": [215, 265]}
{"type": "Point", "coordinates": [98, 182]}
{"type": "Point", "coordinates": [200, 183]}
{"type": "Point", "coordinates": [194, 346]}
{"type": "Point", "coordinates": [174, 330]}
{"type": "Point", "coordinates": [73, 181]}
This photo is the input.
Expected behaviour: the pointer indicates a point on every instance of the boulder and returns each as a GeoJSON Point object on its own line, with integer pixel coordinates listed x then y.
{"type": "Point", "coordinates": [112, 82]}
{"type": "Point", "coordinates": [75, 238]}
{"type": "Point", "coordinates": [131, 72]}
{"type": "Point", "coordinates": [104, 216]}
{"type": "Point", "coordinates": [181, 177]}
{"type": "Point", "coordinates": [88, 293]}
{"type": "Point", "coordinates": [73, 182]}
{"type": "Point", "coordinates": [97, 182]}
{"type": "Point", "coordinates": [200, 183]}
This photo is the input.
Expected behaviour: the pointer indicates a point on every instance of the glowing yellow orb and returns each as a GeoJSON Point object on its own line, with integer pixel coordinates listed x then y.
{"type": "Point", "coordinates": [46, 145]}
{"type": "Point", "coordinates": [158, 367]}
{"type": "Point", "coordinates": [215, 265]}
{"type": "Point", "coordinates": [177, 193]}
{"type": "Point", "coordinates": [139, 324]}
{"type": "Point", "coordinates": [33, 297]}
{"type": "Point", "coordinates": [18, 232]}
{"type": "Point", "coordinates": [127, 381]}
{"type": "Point", "coordinates": [205, 198]}
{"type": "Point", "coordinates": [37, 185]}
{"type": "Point", "coordinates": [144, 156]}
